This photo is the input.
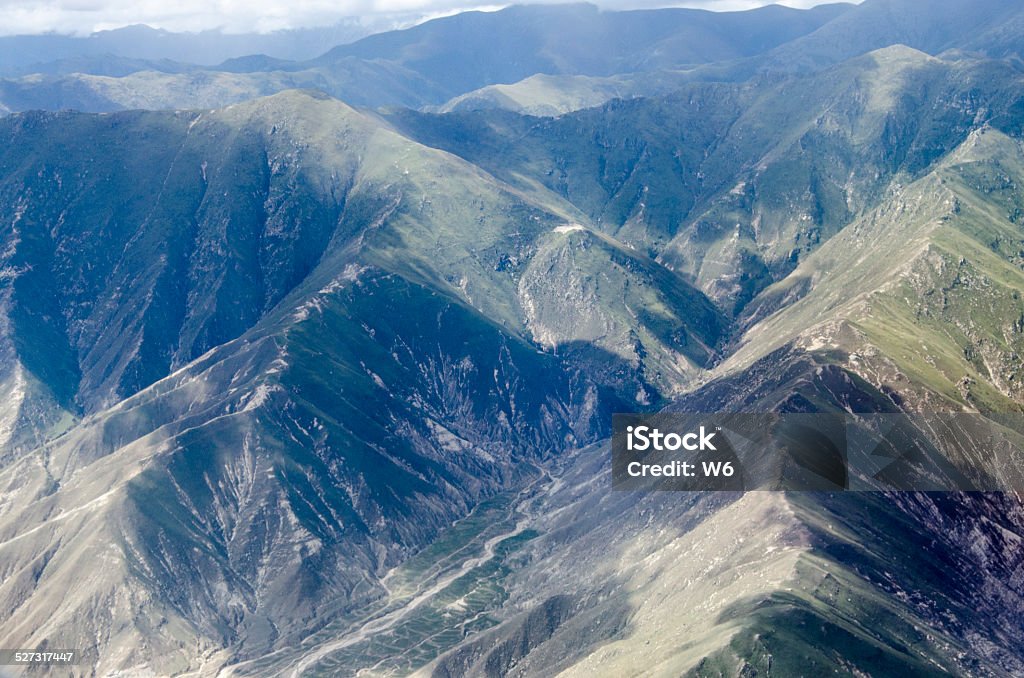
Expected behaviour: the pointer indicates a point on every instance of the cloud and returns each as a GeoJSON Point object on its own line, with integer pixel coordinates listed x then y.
{"type": "Point", "coordinates": [243, 16]}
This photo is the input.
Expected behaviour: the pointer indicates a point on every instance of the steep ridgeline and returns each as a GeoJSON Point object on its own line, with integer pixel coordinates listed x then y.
{"type": "Point", "coordinates": [914, 307]}
{"type": "Point", "coordinates": [257, 356]}
{"type": "Point", "coordinates": [921, 293]}
{"type": "Point", "coordinates": [732, 186]}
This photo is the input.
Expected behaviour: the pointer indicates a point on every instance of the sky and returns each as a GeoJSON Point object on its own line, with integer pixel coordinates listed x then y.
{"type": "Point", "coordinates": [82, 17]}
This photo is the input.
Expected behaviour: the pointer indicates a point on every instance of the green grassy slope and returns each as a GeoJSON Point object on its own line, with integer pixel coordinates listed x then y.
{"type": "Point", "coordinates": [732, 185]}
{"type": "Point", "coordinates": [929, 288]}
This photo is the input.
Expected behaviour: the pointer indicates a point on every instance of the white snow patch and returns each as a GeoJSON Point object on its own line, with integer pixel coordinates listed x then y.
{"type": "Point", "coordinates": [448, 441]}
{"type": "Point", "coordinates": [259, 397]}
{"type": "Point", "coordinates": [569, 228]}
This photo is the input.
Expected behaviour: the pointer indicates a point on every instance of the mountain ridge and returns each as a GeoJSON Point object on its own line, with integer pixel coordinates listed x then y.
{"type": "Point", "coordinates": [353, 418]}
{"type": "Point", "coordinates": [327, 390]}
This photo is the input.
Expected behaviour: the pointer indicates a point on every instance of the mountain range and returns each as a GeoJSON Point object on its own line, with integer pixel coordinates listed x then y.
{"type": "Point", "coordinates": [310, 365]}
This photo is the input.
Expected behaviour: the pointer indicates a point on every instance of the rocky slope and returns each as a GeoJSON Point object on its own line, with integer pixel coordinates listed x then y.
{"type": "Point", "coordinates": [304, 346]}
{"type": "Point", "coordinates": [297, 389]}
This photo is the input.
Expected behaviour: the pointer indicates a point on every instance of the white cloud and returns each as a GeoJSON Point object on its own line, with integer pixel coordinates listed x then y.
{"type": "Point", "coordinates": [242, 16]}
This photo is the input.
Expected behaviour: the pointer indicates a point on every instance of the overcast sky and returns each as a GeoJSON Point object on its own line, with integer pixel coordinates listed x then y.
{"type": "Point", "coordinates": [238, 16]}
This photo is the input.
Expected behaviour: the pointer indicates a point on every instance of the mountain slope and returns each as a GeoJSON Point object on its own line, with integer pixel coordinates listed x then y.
{"type": "Point", "coordinates": [731, 185]}
{"type": "Point", "coordinates": [885, 317]}
{"type": "Point", "coordinates": [273, 461]}
{"type": "Point", "coordinates": [304, 346]}
{"type": "Point", "coordinates": [598, 582]}
{"type": "Point", "coordinates": [292, 393]}
{"type": "Point", "coordinates": [940, 258]}
{"type": "Point", "coordinates": [913, 306]}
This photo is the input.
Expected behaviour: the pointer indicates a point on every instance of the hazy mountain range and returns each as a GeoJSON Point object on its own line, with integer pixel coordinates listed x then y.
{"type": "Point", "coordinates": [309, 366]}
{"type": "Point", "coordinates": [138, 48]}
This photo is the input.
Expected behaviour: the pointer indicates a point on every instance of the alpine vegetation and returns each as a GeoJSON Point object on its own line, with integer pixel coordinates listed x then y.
{"type": "Point", "coordinates": [542, 341]}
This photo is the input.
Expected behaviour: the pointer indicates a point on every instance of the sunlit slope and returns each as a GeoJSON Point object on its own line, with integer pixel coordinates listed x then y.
{"type": "Point", "coordinates": [660, 335]}
{"type": "Point", "coordinates": [304, 346]}
{"type": "Point", "coordinates": [552, 95]}
{"type": "Point", "coordinates": [924, 292]}
{"type": "Point", "coordinates": [732, 185]}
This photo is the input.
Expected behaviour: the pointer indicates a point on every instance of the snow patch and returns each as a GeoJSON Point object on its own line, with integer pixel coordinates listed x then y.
{"type": "Point", "coordinates": [259, 397]}
{"type": "Point", "coordinates": [569, 228]}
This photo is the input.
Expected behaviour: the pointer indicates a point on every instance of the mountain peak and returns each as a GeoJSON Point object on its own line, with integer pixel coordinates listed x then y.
{"type": "Point", "coordinates": [292, 105]}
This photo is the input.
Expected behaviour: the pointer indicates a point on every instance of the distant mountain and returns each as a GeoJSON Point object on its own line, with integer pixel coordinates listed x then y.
{"type": "Point", "coordinates": [430, 63]}
{"type": "Point", "coordinates": [934, 27]}
{"type": "Point", "coordinates": [363, 83]}
{"type": "Point", "coordinates": [474, 49]}
{"type": "Point", "coordinates": [109, 65]}
{"type": "Point", "coordinates": [64, 54]}
{"type": "Point", "coordinates": [937, 27]}
{"type": "Point", "coordinates": [951, 27]}
{"type": "Point", "coordinates": [592, 56]}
